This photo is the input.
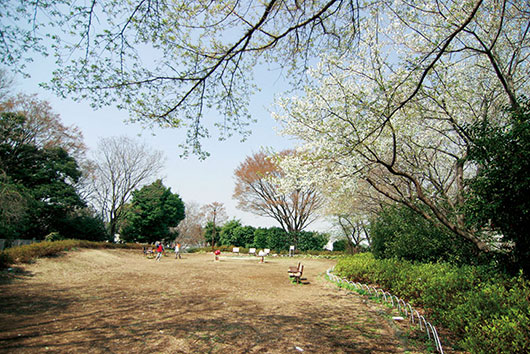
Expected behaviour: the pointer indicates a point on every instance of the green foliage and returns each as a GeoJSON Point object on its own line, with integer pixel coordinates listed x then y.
{"type": "Point", "coordinates": [340, 245]}
{"type": "Point", "coordinates": [211, 233]}
{"type": "Point", "coordinates": [13, 207]}
{"type": "Point", "coordinates": [498, 196]}
{"type": "Point", "coordinates": [274, 238]}
{"type": "Point", "coordinates": [42, 179]}
{"type": "Point", "coordinates": [277, 239]}
{"type": "Point", "coordinates": [85, 226]}
{"type": "Point", "coordinates": [400, 232]}
{"type": "Point", "coordinates": [245, 236]}
{"type": "Point", "coordinates": [488, 311]}
{"type": "Point", "coordinates": [260, 238]}
{"type": "Point", "coordinates": [308, 240]}
{"type": "Point", "coordinates": [497, 317]}
{"type": "Point", "coordinates": [154, 209]}
{"type": "Point", "coordinates": [234, 234]}
{"type": "Point", "coordinates": [227, 235]}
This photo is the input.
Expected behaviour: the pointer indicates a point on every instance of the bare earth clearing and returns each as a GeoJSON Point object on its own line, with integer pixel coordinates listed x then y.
{"type": "Point", "coordinates": [118, 301]}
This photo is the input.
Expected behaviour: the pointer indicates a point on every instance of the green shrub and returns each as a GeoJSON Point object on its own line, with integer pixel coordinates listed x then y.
{"type": "Point", "coordinates": [399, 232]}
{"type": "Point", "coordinates": [498, 318]}
{"type": "Point", "coordinates": [359, 268]}
{"type": "Point", "coordinates": [340, 245]}
{"type": "Point", "coordinates": [489, 311]}
{"type": "Point", "coordinates": [311, 240]}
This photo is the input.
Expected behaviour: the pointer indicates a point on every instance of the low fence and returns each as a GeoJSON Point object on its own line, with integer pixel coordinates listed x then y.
{"type": "Point", "coordinates": [6, 243]}
{"type": "Point", "coordinates": [402, 306]}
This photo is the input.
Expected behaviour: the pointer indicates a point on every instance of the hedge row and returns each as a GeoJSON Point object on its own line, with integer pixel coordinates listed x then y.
{"type": "Point", "coordinates": [488, 311]}
{"type": "Point", "coordinates": [26, 253]}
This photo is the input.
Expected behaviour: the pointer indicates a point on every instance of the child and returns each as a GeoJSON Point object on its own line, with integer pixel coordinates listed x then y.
{"type": "Point", "coordinates": [159, 250]}
{"type": "Point", "coordinates": [177, 251]}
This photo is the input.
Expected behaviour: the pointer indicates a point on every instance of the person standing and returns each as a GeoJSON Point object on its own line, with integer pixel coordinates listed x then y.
{"type": "Point", "coordinates": [159, 250]}
{"type": "Point", "coordinates": [177, 251]}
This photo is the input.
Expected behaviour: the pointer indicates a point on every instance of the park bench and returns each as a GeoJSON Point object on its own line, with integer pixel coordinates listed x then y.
{"type": "Point", "coordinates": [296, 273]}
{"type": "Point", "coordinates": [235, 250]}
{"type": "Point", "coordinates": [267, 251]}
{"type": "Point", "coordinates": [294, 269]}
{"type": "Point", "coordinates": [252, 251]}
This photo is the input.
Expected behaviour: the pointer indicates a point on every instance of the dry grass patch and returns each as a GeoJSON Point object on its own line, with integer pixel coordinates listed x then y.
{"type": "Point", "coordinates": [119, 301]}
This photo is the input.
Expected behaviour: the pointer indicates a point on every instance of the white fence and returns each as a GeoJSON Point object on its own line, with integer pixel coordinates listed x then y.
{"type": "Point", "coordinates": [402, 306]}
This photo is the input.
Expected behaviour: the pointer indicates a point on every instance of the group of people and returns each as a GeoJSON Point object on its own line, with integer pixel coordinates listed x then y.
{"type": "Point", "coordinates": [159, 249]}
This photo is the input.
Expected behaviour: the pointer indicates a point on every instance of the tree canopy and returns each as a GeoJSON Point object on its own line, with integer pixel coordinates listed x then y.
{"type": "Point", "coordinates": [39, 190]}
{"type": "Point", "coordinates": [257, 190]}
{"type": "Point", "coordinates": [498, 198]}
{"type": "Point", "coordinates": [393, 115]}
{"type": "Point", "coordinates": [154, 209]}
{"type": "Point", "coordinates": [170, 62]}
{"type": "Point", "coordinates": [121, 165]}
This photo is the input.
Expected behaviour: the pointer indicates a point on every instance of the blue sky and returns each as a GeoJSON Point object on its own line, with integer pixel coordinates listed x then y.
{"type": "Point", "coordinates": [194, 180]}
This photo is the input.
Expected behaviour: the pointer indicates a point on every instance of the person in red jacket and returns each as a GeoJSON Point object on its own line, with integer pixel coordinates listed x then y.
{"type": "Point", "coordinates": [159, 250]}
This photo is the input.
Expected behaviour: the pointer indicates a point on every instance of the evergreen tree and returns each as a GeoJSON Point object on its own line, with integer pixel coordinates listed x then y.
{"type": "Point", "coordinates": [153, 211]}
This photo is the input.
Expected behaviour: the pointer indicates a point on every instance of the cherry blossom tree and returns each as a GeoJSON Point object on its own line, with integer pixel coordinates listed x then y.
{"type": "Point", "coordinates": [396, 115]}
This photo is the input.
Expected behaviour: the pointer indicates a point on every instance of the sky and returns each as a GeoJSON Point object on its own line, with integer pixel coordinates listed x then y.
{"type": "Point", "coordinates": [195, 180]}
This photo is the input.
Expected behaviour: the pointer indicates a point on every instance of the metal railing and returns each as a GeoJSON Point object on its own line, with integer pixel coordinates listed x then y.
{"type": "Point", "coordinates": [402, 306]}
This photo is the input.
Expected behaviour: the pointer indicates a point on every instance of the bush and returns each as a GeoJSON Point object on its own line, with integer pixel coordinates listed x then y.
{"type": "Point", "coordinates": [498, 318]}
{"type": "Point", "coordinates": [27, 253]}
{"type": "Point", "coordinates": [311, 241]}
{"type": "Point", "coordinates": [490, 312]}
{"type": "Point", "coordinates": [260, 238]}
{"type": "Point", "coordinates": [340, 245]}
{"type": "Point", "coordinates": [85, 227]}
{"type": "Point", "coordinates": [277, 239]}
{"type": "Point", "coordinates": [497, 197]}
{"type": "Point", "coordinates": [402, 233]}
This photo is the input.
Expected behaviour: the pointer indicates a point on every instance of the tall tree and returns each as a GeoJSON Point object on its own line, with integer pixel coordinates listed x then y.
{"type": "Point", "coordinates": [41, 178]}
{"type": "Point", "coordinates": [191, 230]}
{"type": "Point", "coordinates": [121, 166]}
{"type": "Point", "coordinates": [394, 115]}
{"type": "Point", "coordinates": [43, 127]}
{"type": "Point", "coordinates": [215, 215]}
{"type": "Point", "coordinates": [154, 210]}
{"type": "Point", "coordinates": [498, 198]}
{"type": "Point", "coordinates": [13, 205]}
{"type": "Point", "coordinates": [258, 192]}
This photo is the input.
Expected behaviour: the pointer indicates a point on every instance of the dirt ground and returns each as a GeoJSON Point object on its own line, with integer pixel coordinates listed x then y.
{"type": "Point", "coordinates": [117, 301]}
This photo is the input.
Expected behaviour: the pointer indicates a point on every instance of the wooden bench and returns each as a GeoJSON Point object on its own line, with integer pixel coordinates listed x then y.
{"type": "Point", "coordinates": [294, 269]}
{"type": "Point", "coordinates": [252, 251]}
{"type": "Point", "coordinates": [235, 250]}
{"type": "Point", "coordinates": [297, 273]}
